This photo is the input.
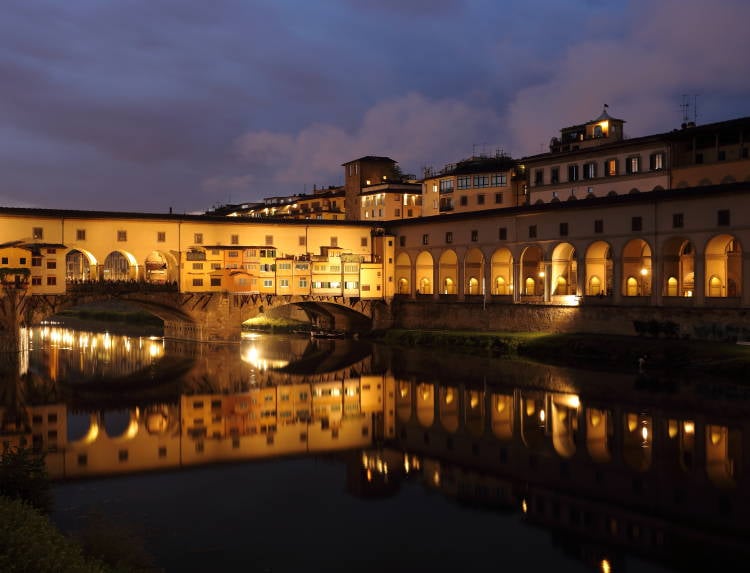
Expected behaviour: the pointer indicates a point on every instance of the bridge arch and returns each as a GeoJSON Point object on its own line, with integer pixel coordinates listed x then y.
{"type": "Point", "coordinates": [119, 265]}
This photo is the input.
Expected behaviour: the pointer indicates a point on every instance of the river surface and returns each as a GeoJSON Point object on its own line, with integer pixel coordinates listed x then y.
{"type": "Point", "coordinates": [285, 453]}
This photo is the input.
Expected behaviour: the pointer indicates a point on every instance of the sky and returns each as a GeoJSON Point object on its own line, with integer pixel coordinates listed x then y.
{"type": "Point", "coordinates": [147, 105]}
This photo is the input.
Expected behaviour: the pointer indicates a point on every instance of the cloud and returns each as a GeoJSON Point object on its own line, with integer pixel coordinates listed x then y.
{"type": "Point", "coordinates": [413, 129]}
{"type": "Point", "coordinates": [667, 49]}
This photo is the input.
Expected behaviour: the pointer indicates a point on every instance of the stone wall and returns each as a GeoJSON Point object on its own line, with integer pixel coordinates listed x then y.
{"type": "Point", "coordinates": [704, 324]}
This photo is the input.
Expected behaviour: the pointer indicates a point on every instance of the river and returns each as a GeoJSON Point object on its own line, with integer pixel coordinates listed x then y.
{"type": "Point", "coordinates": [286, 453]}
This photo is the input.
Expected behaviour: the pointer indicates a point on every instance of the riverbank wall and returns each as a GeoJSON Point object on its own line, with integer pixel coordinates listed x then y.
{"type": "Point", "coordinates": [700, 324]}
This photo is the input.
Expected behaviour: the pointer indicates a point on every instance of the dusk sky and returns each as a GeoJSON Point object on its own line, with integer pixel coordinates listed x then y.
{"type": "Point", "coordinates": [143, 105]}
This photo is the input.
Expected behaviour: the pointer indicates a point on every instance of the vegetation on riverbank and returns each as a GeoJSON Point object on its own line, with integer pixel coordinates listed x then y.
{"type": "Point", "coordinates": [595, 351]}
{"type": "Point", "coordinates": [134, 317]}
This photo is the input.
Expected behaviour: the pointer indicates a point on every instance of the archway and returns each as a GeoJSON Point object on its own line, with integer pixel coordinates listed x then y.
{"type": "Point", "coordinates": [532, 271]}
{"type": "Point", "coordinates": [448, 269]}
{"type": "Point", "coordinates": [723, 267]}
{"type": "Point", "coordinates": [119, 266]}
{"type": "Point", "coordinates": [502, 416]}
{"type": "Point", "coordinates": [448, 396]}
{"type": "Point", "coordinates": [502, 271]}
{"type": "Point", "coordinates": [474, 271]}
{"type": "Point", "coordinates": [79, 266]}
{"type": "Point", "coordinates": [425, 271]}
{"type": "Point", "coordinates": [160, 268]}
{"type": "Point", "coordinates": [564, 270]}
{"type": "Point", "coordinates": [425, 404]}
{"type": "Point", "coordinates": [599, 269]}
{"type": "Point", "coordinates": [403, 273]}
{"type": "Point", "coordinates": [636, 268]}
{"type": "Point", "coordinates": [474, 412]}
{"type": "Point", "coordinates": [679, 267]}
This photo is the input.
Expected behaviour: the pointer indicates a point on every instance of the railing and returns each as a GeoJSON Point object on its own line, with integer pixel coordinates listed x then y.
{"type": "Point", "coordinates": [118, 286]}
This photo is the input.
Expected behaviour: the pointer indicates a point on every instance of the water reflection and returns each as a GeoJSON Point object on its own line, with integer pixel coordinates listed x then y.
{"type": "Point", "coordinates": [662, 476]}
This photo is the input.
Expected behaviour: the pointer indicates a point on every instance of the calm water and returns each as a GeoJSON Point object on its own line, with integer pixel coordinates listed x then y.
{"type": "Point", "coordinates": [284, 453]}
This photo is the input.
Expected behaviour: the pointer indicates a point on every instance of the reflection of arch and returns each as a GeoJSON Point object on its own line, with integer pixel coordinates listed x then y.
{"type": "Point", "coordinates": [637, 441]}
{"type": "Point", "coordinates": [78, 265]}
{"type": "Point", "coordinates": [532, 267]}
{"type": "Point", "coordinates": [425, 405]}
{"type": "Point", "coordinates": [723, 454]}
{"type": "Point", "coordinates": [564, 270]}
{"type": "Point", "coordinates": [533, 420]}
{"type": "Point", "coordinates": [448, 396]}
{"type": "Point", "coordinates": [564, 424]}
{"type": "Point", "coordinates": [119, 266]}
{"type": "Point", "coordinates": [121, 424]}
{"type": "Point", "coordinates": [403, 273]}
{"type": "Point", "coordinates": [502, 271]}
{"type": "Point", "coordinates": [403, 401]}
{"type": "Point", "coordinates": [156, 419]}
{"type": "Point", "coordinates": [599, 433]}
{"type": "Point", "coordinates": [679, 265]}
{"type": "Point", "coordinates": [448, 269]}
{"type": "Point", "coordinates": [636, 268]}
{"type": "Point", "coordinates": [473, 270]}
{"type": "Point", "coordinates": [599, 269]}
{"type": "Point", "coordinates": [425, 271]}
{"type": "Point", "coordinates": [723, 267]}
{"type": "Point", "coordinates": [474, 412]}
{"type": "Point", "coordinates": [92, 430]}
{"type": "Point", "coordinates": [502, 416]}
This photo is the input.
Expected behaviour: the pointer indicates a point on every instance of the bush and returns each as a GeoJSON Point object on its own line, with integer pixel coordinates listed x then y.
{"type": "Point", "coordinates": [23, 475]}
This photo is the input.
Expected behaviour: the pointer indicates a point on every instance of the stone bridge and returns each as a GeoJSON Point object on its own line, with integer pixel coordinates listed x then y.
{"type": "Point", "coordinates": [206, 316]}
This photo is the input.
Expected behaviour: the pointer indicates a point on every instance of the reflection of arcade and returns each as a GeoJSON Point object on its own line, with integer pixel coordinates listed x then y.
{"type": "Point", "coordinates": [269, 421]}
{"type": "Point", "coordinates": [649, 477]}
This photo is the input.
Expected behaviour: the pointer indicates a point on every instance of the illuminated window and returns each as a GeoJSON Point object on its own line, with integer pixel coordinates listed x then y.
{"type": "Point", "coordinates": [572, 172]}
{"type": "Point", "coordinates": [633, 164]}
{"type": "Point", "coordinates": [656, 161]}
{"type": "Point", "coordinates": [610, 167]}
{"type": "Point", "coordinates": [235, 239]}
{"type": "Point", "coordinates": [37, 233]}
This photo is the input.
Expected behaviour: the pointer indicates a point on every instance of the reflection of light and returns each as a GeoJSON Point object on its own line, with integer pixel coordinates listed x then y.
{"type": "Point", "coordinates": [407, 466]}
{"type": "Point", "coordinates": [688, 426]}
{"type": "Point", "coordinates": [605, 566]}
{"type": "Point", "coordinates": [524, 506]}
{"type": "Point", "coordinates": [644, 433]}
{"type": "Point", "coordinates": [92, 434]}
{"type": "Point", "coordinates": [474, 399]}
{"type": "Point", "coordinates": [436, 477]}
{"type": "Point", "coordinates": [569, 400]}
{"type": "Point", "coordinates": [425, 391]}
{"type": "Point", "coordinates": [541, 416]}
{"type": "Point", "coordinates": [530, 407]}
{"type": "Point", "coordinates": [715, 435]}
{"type": "Point", "coordinates": [595, 418]}
{"type": "Point", "coordinates": [500, 405]}
{"type": "Point", "coordinates": [672, 428]}
{"type": "Point", "coordinates": [449, 396]}
{"type": "Point", "coordinates": [403, 389]}
{"type": "Point", "coordinates": [571, 300]}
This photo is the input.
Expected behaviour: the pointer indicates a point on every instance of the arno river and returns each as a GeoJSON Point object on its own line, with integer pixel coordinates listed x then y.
{"type": "Point", "coordinates": [284, 453]}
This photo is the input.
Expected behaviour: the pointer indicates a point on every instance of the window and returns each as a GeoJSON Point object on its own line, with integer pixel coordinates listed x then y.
{"type": "Point", "coordinates": [267, 283]}
{"type": "Point", "coordinates": [464, 200]}
{"type": "Point", "coordinates": [4, 260]}
{"type": "Point", "coordinates": [589, 170]}
{"type": "Point", "coordinates": [302, 241]}
{"type": "Point", "coordinates": [198, 282]}
{"type": "Point", "coordinates": [481, 181]}
{"type": "Point", "coordinates": [572, 172]}
{"type": "Point", "coordinates": [480, 199]}
{"type": "Point", "coordinates": [402, 241]}
{"type": "Point", "coordinates": [36, 281]}
{"type": "Point", "coordinates": [563, 229]}
{"type": "Point", "coordinates": [122, 455]}
{"type": "Point", "coordinates": [610, 167]}
{"type": "Point", "coordinates": [446, 185]}
{"type": "Point", "coordinates": [498, 180]}
{"type": "Point", "coordinates": [122, 236]}
{"type": "Point", "coordinates": [722, 217]}
{"type": "Point", "coordinates": [303, 283]}
{"type": "Point", "coordinates": [656, 161]}
{"type": "Point", "coordinates": [464, 182]}
{"type": "Point", "coordinates": [502, 234]}
{"type": "Point", "coordinates": [678, 220]}
{"type": "Point", "coordinates": [599, 226]}
{"type": "Point", "coordinates": [234, 239]}
{"type": "Point", "coordinates": [22, 260]}
{"type": "Point", "coordinates": [197, 266]}
{"type": "Point", "coordinates": [449, 237]}
{"type": "Point", "coordinates": [269, 240]}
{"type": "Point", "coordinates": [474, 236]}
{"type": "Point", "coordinates": [36, 261]}
{"type": "Point", "coordinates": [51, 281]}
{"type": "Point", "coordinates": [532, 231]}
{"type": "Point", "coordinates": [722, 155]}
{"type": "Point", "coordinates": [37, 233]}
{"type": "Point", "coordinates": [363, 242]}
{"type": "Point", "coordinates": [633, 164]}
{"type": "Point", "coordinates": [554, 175]}
{"type": "Point", "coordinates": [284, 283]}
{"type": "Point", "coordinates": [215, 281]}
{"type": "Point", "coordinates": [161, 236]}
{"type": "Point", "coordinates": [80, 234]}
{"type": "Point", "coordinates": [636, 224]}
{"type": "Point", "coordinates": [498, 198]}
{"type": "Point", "coordinates": [425, 239]}
{"type": "Point", "coordinates": [198, 238]}
{"type": "Point", "coordinates": [51, 264]}
{"type": "Point", "coordinates": [539, 177]}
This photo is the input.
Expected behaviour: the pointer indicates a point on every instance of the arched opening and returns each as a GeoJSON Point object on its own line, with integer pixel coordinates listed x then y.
{"type": "Point", "coordinates": [158, 268]}
{"type": "Point", "coordinates": [403, 273]}
{"type": "Point", "coordinates": [502, 271]}
{"type": "Point", "coordinates": [448, 407]}
{"type": "Point", "coordinates": [564, 270]}
{"type": "Point", "coordinates": [474, 271]}
{"type": "Point", "coordinates": [425, 272]}
{"type": "Point", "coordinates": [679, 267]}
{"type": "Point", "coordinates": [599, 269]}
{"type": "Point", "coordinates": [79, 266]}
{"type": "Point", "coordinates": [532, 271]}
{"type": "Point", "coordinates": [425, 405]}
{"type": "Point", "coordinates": [636, 268]}
{"type": "Point", "coordinates": [119, 266]}
{"type": "Point", "coordinates": [502, 416]}
{"type": "Point", "coordinates": [448, 268]}
{"type": "Point", "coordinates": [723, 267]}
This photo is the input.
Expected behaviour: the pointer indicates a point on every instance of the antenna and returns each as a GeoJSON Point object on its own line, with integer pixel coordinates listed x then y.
{"type": "Point", "coordinates": [473, 149]}
{"type": "Point", "coordinates": [685, 107]}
